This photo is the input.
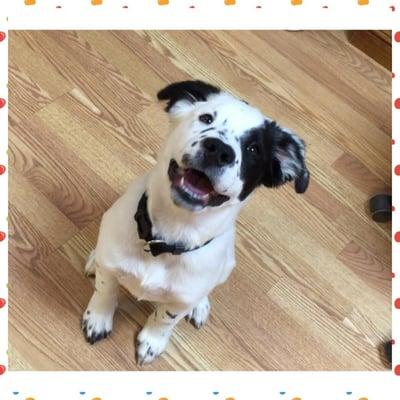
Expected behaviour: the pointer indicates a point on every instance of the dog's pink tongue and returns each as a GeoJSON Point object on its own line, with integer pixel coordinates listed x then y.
{"type": "Point", "coordinates": [198, 182]}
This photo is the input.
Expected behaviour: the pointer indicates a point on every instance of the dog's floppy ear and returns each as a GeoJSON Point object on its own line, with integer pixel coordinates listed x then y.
{"type": "Point", "coordinates": [181, 95]}
{"type": "Point", "coordinates": [287, 159]}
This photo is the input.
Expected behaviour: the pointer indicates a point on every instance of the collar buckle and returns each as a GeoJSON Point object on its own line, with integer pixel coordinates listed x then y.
{"type": "Point", "coordinates": [147, 245]}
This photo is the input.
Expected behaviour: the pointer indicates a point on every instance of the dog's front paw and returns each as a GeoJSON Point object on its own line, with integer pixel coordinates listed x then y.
{"type": "Point", "coordinates": [199, 315]}
{"type": "Point", "coordinates": [150, 343]}
{"type": "Point", "coordinates": [96, 326]}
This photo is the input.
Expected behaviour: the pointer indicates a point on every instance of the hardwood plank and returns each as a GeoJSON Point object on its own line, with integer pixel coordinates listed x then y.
{"type": "Point", "coordinates": [311, 251]}
{"type": "Point", "coordinates": [374, 272]}
{"type": "Point", "coordinates": [33, 81]}
{"type": "Point", "coordinates": [16, 361]}
{"type": "Point", "coordinates": [26, 242]}
{"type": "Point", "coordinates": [137, 59]}
{"type": "Point", "coordinates": [87, 69]}
{"type": "Point", "coordinates": [326, 332]}
{"type": "Point", "coordinates": [368, 233]}
{"type": "Point", "coordinates": [96, 144]}
{"type": "Point", "coordinates": [37, 157]}
{"type": "Point", "coordinates": [37, 209]}
{"type": "Point", "coordinates": [359, 175]}
{"type": "Point", "coordinates": [375, 44]}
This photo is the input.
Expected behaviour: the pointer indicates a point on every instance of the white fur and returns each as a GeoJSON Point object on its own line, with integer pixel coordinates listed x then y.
{"type": "Point", "coordinates": [179, 285]}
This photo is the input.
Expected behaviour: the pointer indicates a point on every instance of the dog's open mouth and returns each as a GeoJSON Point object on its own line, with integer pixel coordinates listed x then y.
{"type": "Point", "coordinates": [194, 186]}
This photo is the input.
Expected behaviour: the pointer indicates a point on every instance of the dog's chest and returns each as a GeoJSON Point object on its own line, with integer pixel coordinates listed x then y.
{"type": "Point", "coordinates": [145, 290]}
{"type": "Point", "coordinates": [157, 281]}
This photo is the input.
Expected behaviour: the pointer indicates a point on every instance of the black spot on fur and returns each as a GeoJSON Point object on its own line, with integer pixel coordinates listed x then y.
{"type": "Point", "coordinates": [278, 160]}
{"type": "Point", "coordinates": [191, 91]}
{"type": "Point", "coordinates": [206, 130]}
{"type": "Point", "coordinates": [172, 316]}
{"type": "Point", "coordinates": [194, 143]}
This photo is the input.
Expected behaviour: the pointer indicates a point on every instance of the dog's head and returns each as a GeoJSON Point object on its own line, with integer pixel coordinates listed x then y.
{"type": "Point", "coordinates": [221, 148]}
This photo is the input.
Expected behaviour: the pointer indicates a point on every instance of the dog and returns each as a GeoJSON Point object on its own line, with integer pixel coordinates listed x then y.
{"type": "Point", "coordinates": [170, 239]}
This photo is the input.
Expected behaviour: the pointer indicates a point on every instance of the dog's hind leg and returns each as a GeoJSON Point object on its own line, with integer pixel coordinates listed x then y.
{"type": "Point", "coordinates": [153, 338]}
{"type": "Point", "coordinates": [90, 267]}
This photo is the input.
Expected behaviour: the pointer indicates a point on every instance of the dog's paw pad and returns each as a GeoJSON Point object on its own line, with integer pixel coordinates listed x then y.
{"type": "Point", "coordinates": [95, 326]}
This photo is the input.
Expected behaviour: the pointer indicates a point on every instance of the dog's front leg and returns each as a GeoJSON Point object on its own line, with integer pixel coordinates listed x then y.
{"type": "Point", "coordinates": [199, 314]}
{"type": "Point", "coordinates": [97, 320]}
{"type": "Point", "coordinates": [153, 338]}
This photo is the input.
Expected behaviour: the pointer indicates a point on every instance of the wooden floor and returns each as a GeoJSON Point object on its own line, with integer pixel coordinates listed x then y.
{"type": "Point", "coordinates": [312, 287]}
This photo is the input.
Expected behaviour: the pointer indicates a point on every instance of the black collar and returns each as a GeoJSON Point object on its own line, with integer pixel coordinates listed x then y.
{"type": "Point", "coordinates": [155, 245]}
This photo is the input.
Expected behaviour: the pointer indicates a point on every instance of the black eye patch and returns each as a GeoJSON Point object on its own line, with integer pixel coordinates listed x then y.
{"type": "Point", "coordinates": [272, 156]}
{"type": "Point", "coordinates": [253, 160]}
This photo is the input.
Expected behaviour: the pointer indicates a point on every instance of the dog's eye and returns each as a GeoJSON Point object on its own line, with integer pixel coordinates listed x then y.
{"type": "Point", "coordinates": [253, 148]}
{"type": "Point", "coordinates": [206, 118]}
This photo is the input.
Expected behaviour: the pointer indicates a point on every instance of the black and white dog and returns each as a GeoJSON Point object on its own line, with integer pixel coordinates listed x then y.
{"type": "Point", "coordinates": [170, 238]}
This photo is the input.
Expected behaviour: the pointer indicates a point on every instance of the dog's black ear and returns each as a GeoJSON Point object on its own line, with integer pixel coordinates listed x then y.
{"type": "Point", "coordinates": [187, 92]}
{"type": "Point", "coordinates": [286, 161]}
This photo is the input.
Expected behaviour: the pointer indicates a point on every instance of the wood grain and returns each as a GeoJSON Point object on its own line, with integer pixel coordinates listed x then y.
{"type": "Point", "coordinates": [377, 44]}
{"type": "Point", "coordinates": [312, 286]}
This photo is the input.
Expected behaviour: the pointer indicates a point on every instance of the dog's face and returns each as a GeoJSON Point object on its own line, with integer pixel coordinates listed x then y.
{"type": "Point", "coordinates": [220, 148]}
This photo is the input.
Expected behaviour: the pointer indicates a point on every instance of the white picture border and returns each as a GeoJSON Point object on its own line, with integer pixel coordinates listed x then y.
{"type": "Point", "coordinates": [197, 14]}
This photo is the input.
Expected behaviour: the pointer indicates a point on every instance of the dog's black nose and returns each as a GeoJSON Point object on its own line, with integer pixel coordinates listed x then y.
{"type": "Point", "coordinates": [217, 153]}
